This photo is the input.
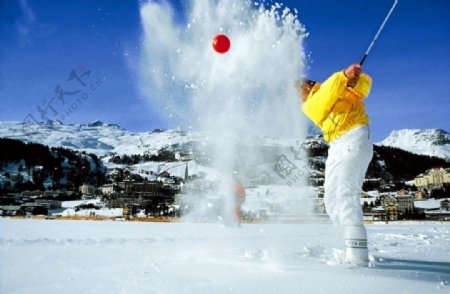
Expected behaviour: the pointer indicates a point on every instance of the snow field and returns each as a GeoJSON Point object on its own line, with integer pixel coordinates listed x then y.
{"type": "Point", "coordinates": [46, 256]}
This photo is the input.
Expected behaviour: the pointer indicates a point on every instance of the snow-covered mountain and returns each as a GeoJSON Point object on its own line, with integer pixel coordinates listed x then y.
{"type": "Point", "coordinates": [104, 139]}
{"type": "Point", "coordinates": [432, 142]}
{"type": "Point", "coordinates": [110, 142]}
{"type": "Point", "coordinates": [98, 138]}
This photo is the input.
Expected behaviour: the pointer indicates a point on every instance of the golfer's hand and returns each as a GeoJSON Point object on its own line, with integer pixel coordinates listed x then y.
{"type": "Point", "coordinates": [352, 73]}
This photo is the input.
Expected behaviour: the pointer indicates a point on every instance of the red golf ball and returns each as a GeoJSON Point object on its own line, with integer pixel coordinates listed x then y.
{"type": "Point", "coordinates": [221, 43]}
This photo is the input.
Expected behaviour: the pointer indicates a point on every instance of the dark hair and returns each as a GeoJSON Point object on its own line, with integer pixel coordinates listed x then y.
{"type": "Point", "coordinates": [299, 84]}
{"type": "Point", "coordinates": [309, 82]}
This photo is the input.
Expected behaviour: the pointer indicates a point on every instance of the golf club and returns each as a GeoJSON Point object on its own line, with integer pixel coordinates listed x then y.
{"type": "Point", "coordinates": [378, 33]}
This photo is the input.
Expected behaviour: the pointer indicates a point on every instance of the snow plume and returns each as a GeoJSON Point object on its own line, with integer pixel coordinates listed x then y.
{"type": "Point", "coordinates": [236, 97]}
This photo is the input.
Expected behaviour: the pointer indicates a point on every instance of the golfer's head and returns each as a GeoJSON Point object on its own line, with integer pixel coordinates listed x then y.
{"type": "Point", "coordinates": [304, 87]}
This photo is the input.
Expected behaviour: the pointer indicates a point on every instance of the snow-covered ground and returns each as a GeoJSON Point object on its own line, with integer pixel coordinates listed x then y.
{"type": "Point", "coordinates": [56, 256]}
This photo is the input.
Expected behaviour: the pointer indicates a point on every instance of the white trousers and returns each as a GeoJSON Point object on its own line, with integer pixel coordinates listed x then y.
{"type": "Point", "coordinates": [345, 169]}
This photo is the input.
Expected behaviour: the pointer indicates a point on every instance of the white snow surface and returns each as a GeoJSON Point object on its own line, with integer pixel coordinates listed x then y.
{"type": "Point", "coordinates": [432, 142]}
{"type": "Point", "coordinates": [73, 204]}
{"type": "Point", "coordinates": [58, 256]}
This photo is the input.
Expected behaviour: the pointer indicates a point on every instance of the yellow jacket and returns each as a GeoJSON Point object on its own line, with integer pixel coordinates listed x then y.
{"type": "Point", "coordinates": [336, 108]}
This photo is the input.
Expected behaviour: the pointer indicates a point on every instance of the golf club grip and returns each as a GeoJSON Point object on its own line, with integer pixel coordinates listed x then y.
{"type": "Point", "coordinates": [363, 59]}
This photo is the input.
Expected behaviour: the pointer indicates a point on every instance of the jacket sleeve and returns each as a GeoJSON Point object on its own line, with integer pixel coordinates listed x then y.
{"type": "Point", "coordinates": [361, 90]}
{"type": "Point", "coordinates": [320, 102]}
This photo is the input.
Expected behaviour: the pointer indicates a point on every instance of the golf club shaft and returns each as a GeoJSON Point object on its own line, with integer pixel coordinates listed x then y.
{"type": "Point", "coordinates": [378, 33]}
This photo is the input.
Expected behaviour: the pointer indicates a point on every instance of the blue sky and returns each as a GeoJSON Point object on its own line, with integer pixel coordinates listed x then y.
{"type": "Point", "coordinates": [77, 60]}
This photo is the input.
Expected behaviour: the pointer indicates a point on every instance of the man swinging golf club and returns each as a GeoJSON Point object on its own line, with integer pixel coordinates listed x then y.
{"type": "Point", "coordinates": [336, 107]}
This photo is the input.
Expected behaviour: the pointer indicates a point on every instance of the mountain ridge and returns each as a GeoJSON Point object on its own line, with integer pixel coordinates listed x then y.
{"type": "Point", "coordinates": [431, 142]}
{"type": "Point", "coordinates": [146, 154]}
{"type": "Point", "coordinates": [102, 138]}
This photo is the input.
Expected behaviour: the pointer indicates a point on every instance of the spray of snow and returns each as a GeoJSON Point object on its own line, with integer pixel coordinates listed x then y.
{"type": "Point", "coordinates": [234, 98]}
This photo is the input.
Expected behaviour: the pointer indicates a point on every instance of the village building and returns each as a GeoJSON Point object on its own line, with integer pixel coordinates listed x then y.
{"type": "Point", "coordinates": [11, 210]}
{"type": "Point", "coordinates": [109, 189]}
{"type": "Point", "coordinates": [141, 194]}
{"type": "Point", "coordinates": [445, 205]}
{"type": "Point", "coordinates": [54, 194]}
{"type": "Point", "coordinates": [405, 203]}
{"type": "Point", "coordinates": [32, 208]}
{"type": "Point", "coordinates": [390, 205]}
{"type": "Point", "coordinates": [88, 190]}
{"type": "Point", "coordinates": [434, 209]}
{"type": "Point", "coordinates": [419, 195]}
{"type": "Point", "coordinates": [48, 204]}
{"type": "Point", "coordinates": [32, 194]}
{"type": "Point", "coordinates": [433, 178]}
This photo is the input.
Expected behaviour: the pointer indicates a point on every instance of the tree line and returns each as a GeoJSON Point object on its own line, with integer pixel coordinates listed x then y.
{"type": "Point", "coordinates": [27, 166]}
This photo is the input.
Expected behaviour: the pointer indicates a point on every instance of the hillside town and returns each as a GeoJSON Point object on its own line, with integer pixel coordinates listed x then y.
{"type": "Point", "coordinates": [105, 171]}
{"type": "Point", "coordinates": [427, 200]}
